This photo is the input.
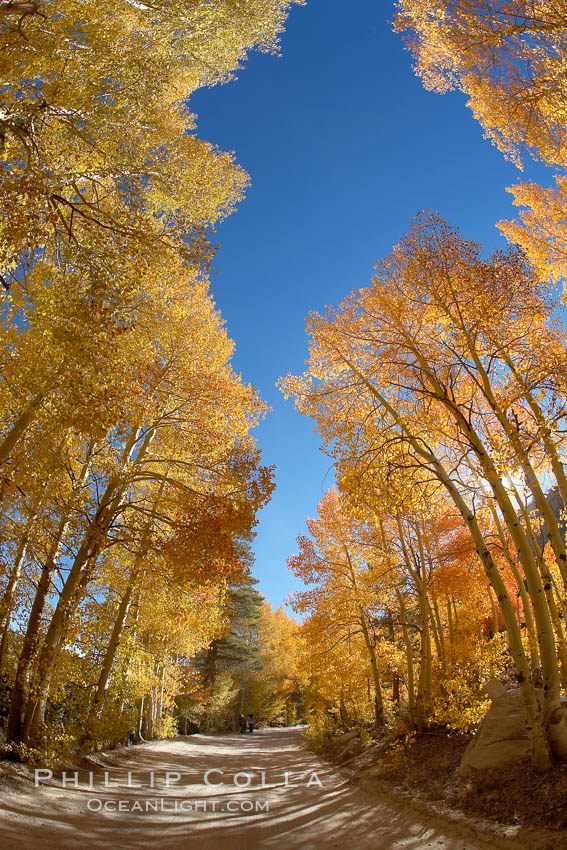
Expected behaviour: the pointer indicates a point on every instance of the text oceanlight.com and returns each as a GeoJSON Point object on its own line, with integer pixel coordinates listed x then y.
{"type": "Point", "coordinates": [165, 805]}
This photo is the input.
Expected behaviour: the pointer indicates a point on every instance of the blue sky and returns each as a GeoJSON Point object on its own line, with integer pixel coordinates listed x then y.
{"type": "Point", "coordinates": [344, 147]}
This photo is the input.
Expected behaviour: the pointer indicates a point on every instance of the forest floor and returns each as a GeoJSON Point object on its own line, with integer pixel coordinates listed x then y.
{"type": "Point", "coordinates": [317, 806]}
{"type": "Point", "coordinates": [519, 800]}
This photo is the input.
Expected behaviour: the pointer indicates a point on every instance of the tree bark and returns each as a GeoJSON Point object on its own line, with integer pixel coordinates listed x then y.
{"type": "Point", "coordinates": [409, 655]}
{"type": "Point", "coordinates": [378, 698]}
{"type": "Point", "coordinates": [528, 617]}
{"type": "Point", "coordinates": [92, 544]}
{"type": "Point", "coordinates": [32, 637]}
{"type": "Point", "coordinates": [19, 8]}
{"type": "Point", "coordinates": [22, 423]}
{"type": "Point", "coordinates": [99, 699]}
{"type": "Point", "coordinates": [7, 604]}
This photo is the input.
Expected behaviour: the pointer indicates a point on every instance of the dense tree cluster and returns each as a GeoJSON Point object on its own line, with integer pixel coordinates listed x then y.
{"type": "Point", "coordinates": [253, 668]}
{"type": "Point", "coordinates": [129, 482]}
{"type": "Point", "coordinates": [439, 392]}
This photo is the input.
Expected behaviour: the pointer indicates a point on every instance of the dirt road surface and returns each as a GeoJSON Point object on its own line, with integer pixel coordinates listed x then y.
{"type": "Point", "coordinates": [265, 790]}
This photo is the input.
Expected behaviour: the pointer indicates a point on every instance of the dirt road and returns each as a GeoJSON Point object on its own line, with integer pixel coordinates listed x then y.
{"type": "Point", "coordinates": [231, 792]}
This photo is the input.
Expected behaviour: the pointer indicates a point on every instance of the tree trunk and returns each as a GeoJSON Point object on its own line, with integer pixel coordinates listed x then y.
{"type": "Point", "coordinates": [92, 544]}
{"type": "Point", "coordinates": [7, 604]}
{"type": "Point", "coordinates": [20, 426]}
{"type": "Point", "coordinates": [378, 698]}
{"type": "Point", "coordinates": [395, 674]}
{"type": "Point", "coordinates": [138, 733]}
{"type": "Point", "coordinates": [19, 8]}
{"type": "Point", "coordinates": [32, 637]}
{"type": "Point", "coordinates": [345, 720]}
{"type": "Point", "coordinates": [549, 593]}
{"type": "Point", "coordinates": [434, 631]}
{"type": "Point", "coordinates": [409, 655]}
{"type": "Point", "coordinates": [424, 686]}
{"type": "Point", "coordinates": [452, 641]}
{"type": "Point", "coordinates": [528, 617]}
{"type": "Point", "coordinates": [495, 627]}
{"type": "Point", "coordinates": [436, 617]}
{"type": "Point", "coordinates": [99, 699]}
{"type": "Point", "coordinates": [416, 567]}
{"type": "Point", "coordinates": [544, 430]}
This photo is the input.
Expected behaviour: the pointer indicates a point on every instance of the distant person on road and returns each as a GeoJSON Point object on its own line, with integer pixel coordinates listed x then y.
{"type": "Point", "coordinates": [242, 724]}
{"type": "Point", "coordinates": [250, 723]}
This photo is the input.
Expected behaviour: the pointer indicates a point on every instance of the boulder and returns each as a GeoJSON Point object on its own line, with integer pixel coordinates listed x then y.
{"type": "Point", "coordinates": [493, 689]}
{"type": "Point", "coordinates": [352, 749]}
{"type": "Point", "coordinates": [501, 738]}
{"type": "Point", "coordinates": [347, 745]}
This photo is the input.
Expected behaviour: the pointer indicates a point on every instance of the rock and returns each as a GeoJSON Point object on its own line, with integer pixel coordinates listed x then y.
{"type": "Point", "coordinates": [493, 689]}
{"type": "Point", "coordinates": [347, 736]}
{"type": "Point", "coordinates": [353, 748]}
{"type": "Point", "coordinates": [344, 745]}
{"type": "Point", "coordinates": [502, 738]}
